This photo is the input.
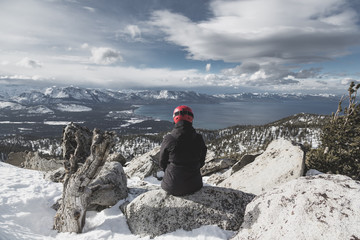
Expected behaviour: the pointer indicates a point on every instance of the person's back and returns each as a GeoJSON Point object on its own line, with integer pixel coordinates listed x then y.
{"type": "Point", "coordinates": [182, 154]}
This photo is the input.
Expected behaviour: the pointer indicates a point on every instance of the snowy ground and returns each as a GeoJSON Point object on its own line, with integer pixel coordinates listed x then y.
{"type": "Point", "coordinates": [25, 213]}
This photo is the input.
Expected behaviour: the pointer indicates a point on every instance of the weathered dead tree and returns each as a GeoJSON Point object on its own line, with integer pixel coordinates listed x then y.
{"type": "Point", "coordinates": [76, 142]}
{"type": "Point", "coordinates": [78, 189]}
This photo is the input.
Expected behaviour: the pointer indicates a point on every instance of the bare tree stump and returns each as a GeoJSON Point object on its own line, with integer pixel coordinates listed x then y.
{"type": "Point", "coordinates": [77, 190]}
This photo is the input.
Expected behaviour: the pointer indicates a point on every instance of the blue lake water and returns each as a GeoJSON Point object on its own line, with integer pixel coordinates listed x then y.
{"type": "Point", "coordinates": [217, 116]}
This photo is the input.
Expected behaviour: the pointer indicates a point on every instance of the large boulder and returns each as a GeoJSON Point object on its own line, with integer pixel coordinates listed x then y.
{"type": "Point", "coordinates": [315, 207]}
{"type": "Point", "coordinates": [155, 212]}
{"type": "Point", "coordinates": [145, 165]}
{"type": "Point", "coordinates": [281, 162]}
{"type": "Point", "coordinates": [112, 184]}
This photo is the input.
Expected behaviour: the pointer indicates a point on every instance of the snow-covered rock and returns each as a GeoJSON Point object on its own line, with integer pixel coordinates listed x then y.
{"type": "Point", "coordinates": [316, 207]}
{"type": "Point", "coordinates": [155, 212]}
{"type": "Point", "coordinates": [144, 165]}
{"type": "Point", "coordinates": [281, 162]}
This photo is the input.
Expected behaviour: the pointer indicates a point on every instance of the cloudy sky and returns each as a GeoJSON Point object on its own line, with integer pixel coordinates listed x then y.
{"type": "Point", "coordinates": [232, 45]}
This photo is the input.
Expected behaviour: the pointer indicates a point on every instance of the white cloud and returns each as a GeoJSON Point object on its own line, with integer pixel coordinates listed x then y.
{"type": "Point", "coordinates": [208, 67]}
{"type": "Point", "coordinates": [105, 56]}
{"type": "Point", "coordinates": [40, 26]}
{"type": "Point", "coordinates": [90, 9]}
{"type": "Point", "coordinates": [244, 68]}
{"type": "Point", "coordinates": [347, 81]}
{"type": "Point", "coordinates": [134, 31]}
{"type": "Point", "coordinates": [265, 30]}
{"type": "Point", "coordinates": [85, 46]}
{"type": "Point", "coordinates": [28, 63]}
{"type": "Point", "coordinates": [268, 74]}
{"type": "Point", "coordinates": [263, 35]}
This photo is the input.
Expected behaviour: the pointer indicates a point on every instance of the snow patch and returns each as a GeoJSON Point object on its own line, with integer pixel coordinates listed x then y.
{"type": "Point", "coordinates": [72, 108]}
{"type": "Point", "coordinates": [26, 196]}
{"type": "Point", "coordinates": [9, 122]}
{"type": "Point", "coordinates": [60, 122]}
{"type": "Point", "coordinates": [132, 121]}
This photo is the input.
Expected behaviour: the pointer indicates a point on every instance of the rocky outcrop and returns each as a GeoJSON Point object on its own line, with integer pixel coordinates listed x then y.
{"type": "Point", "coordinates": [34, 161]}
{"type": "Point", "coordinates": [315, 207]}
{"type": "Point", "coordinates": [281, 162]}
{"type": "Point", "coordinates": [156, 212]}
{"type": "Point", "coordinates": [16, 158]}
{"type": "Point", "coordinates": [144, 165]}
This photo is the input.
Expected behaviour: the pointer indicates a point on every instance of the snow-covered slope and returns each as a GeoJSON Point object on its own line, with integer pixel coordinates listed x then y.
{"type": "Point", "coordinates": [25, 213]}
{"type": "Point", "coordinates": [61, 94]}
{"type": "Point", "coordinates": [11, 105]}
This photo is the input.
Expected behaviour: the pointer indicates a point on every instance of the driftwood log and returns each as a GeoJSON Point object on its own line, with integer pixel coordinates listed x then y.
{"type": "Point", "coordinates": [81, 166]}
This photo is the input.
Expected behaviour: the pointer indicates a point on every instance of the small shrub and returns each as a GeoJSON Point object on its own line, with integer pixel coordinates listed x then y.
{"type": "Point", "coordinates": [339, 152]}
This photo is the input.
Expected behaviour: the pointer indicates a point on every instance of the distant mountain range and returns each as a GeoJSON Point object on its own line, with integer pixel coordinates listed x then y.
{"type": "Point", "coordinates": [85, 96]}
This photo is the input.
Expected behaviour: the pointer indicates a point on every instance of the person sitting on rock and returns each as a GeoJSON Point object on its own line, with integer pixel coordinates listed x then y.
{"type": "Point", "coordinates": [182, 154]}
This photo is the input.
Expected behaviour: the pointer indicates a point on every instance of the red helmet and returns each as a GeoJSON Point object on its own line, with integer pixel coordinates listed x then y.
{"type": "Point", "coordinates": [183, 113]}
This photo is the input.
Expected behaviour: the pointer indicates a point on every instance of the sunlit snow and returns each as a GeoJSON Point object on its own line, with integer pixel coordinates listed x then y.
{"type": "Point", "coordinates": [25, 212]}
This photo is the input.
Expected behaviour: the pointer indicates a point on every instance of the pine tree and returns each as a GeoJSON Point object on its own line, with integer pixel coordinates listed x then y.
{"type": "Point", "coordinates": [339, 152]}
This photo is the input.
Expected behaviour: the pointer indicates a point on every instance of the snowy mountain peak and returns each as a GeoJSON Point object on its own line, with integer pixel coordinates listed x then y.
{"type": "Point", "coordinates": [165, 94]}
{"type": "Point", "coordinates": [56, 93]}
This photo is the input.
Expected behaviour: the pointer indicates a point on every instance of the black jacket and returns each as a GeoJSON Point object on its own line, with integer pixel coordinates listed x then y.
{"type": "Point", "coordinates": [182, 154]}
